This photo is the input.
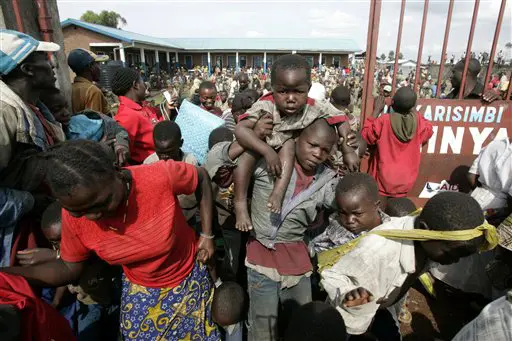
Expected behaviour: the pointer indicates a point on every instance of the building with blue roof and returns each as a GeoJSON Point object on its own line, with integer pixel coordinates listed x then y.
{"type": "Point", "coordinates": [160, 53]}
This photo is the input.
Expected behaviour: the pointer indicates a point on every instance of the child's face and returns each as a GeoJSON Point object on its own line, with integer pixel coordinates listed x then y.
{"type": "Point", "coordinates": [337, 106]}
{"type": "Point", "coordinates": [442, 252]}
{"type": "Point", "coordinates": [207, 98]}
{"type": "Point", "coordinates": [223, 96]}
{"type": "Point", "coordinates": [53, 234]}
{"type": "Point", "coordinates": [356, 212]}
{"type": "Point", "coordinates": [445, 253]}
{"type": "Point", "coordinates": [168, 150]}
{"type": "Point", "coordinates": [243, 83]}
{"type": "Point", "coordinates": [60, 110]}
{"type": "Point", "coordinates": [313, 148]}
{"type": "Point", "coordinates": [291, 91]}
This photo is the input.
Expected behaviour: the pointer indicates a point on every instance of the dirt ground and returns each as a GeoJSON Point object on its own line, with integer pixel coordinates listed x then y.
{"type": "Point", "coordinates": [435, 319]}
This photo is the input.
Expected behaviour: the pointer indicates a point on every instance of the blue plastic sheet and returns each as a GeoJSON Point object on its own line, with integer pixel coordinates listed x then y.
{"type": "Point", "coordinates": [196, 125]}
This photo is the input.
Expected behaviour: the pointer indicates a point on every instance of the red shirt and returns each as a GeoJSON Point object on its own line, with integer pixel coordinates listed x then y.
{"type": "Point", "coordinates": [138, 123]}
{"type": "Point", "coordinates": [289, 259]}
{"type": "Point", "coordinates": [215, 110]}
{"type": "Point", "coordinates": [155, 246]}
{"type": "Point", "coordinates": [39, 320]}
{"type": "Point", "coordinates": [395, 164]}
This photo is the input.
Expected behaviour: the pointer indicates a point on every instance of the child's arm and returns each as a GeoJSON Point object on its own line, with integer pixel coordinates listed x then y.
{"type": "Point", "coordinates": [242, 176]}
{"type": "Point", "coordinates": [371, 130]}
{"type": "Point", "coordinates": [379, 105]}
{"type": "Point", "coordinates": [248, 139]}
{"type": "Point", "coordinates": [350, 158]}
{"type": "Point", "coordinates": [426, 131]}
{"type": "Point", "coordinates": [131, 125]}
{"type": "Point", "coordinates": [262, 128]}
{"type": "Point", "coordinates": [235, 150]}
{"type": "Point", "coordinates": [122, 139]}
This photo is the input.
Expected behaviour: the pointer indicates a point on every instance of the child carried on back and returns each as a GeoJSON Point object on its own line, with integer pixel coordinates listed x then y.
{"type": "Point", "coordinates": [291, 111]}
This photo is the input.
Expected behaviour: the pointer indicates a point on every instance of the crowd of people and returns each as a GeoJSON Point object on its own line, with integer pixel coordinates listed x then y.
{"type": "Point", "coordinates": [110, 231]}
{"type": "Point", "coordinates": [181, 80]}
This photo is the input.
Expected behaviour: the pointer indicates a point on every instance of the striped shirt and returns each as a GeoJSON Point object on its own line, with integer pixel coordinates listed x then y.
{"type": "Point", "coordinates": [493, 323]}
{"type": "Point", "coordinates": [227, 116]}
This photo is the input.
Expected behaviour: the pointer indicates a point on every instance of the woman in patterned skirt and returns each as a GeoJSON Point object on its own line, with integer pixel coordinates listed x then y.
{"type": "Point", "coordinates": [131, 217]}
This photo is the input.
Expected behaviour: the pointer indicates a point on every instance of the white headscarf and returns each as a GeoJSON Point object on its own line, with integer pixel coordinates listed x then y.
{"type": "Point", "coordinates": [317, 92]}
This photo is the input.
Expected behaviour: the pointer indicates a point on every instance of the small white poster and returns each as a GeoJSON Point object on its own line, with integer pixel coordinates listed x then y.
{"type": "Point", "coordinates": [433, 188]}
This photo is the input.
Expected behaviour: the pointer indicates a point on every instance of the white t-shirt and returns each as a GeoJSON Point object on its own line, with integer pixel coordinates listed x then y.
{"type": "Point", "coordinates": [495, 166]}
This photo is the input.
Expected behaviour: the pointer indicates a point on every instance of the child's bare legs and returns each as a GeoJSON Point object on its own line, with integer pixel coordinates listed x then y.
{"type": "Point", "coordinates": [287, 157]}
{"type": "Point", "coordinates": [242, 177]}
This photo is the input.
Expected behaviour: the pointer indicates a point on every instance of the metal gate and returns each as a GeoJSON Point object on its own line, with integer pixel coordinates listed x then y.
{"type": "Point", "coordinates": [461, 127]}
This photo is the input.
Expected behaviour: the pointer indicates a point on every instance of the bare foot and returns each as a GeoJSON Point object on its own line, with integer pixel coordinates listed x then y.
{"type": "Point", "coordinates": [243, 221]}
{"type": "Point", "coordinates": [275, 201]}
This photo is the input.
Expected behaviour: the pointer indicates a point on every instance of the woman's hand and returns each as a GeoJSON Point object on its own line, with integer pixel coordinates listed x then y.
{"type": "Point", "coordinates": [205, 249]}
{"type": "Point", "coordinates": [31, 257]}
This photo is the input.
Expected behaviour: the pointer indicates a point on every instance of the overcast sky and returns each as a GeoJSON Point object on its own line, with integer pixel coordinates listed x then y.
{"type": "Point", "coordinates": [308, 19]}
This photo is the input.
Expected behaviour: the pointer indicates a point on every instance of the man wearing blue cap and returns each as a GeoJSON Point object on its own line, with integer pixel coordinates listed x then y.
{"type": "Point", "coordinates": [86, 95]}
{"type": "Point", "coordinates": [26, 127]}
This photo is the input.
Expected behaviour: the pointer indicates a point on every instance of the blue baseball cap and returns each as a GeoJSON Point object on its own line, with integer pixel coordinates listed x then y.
{"type": "Point", "coordinates": [80, 59]}
{"type": "Point", "coordinates": [15, 47]}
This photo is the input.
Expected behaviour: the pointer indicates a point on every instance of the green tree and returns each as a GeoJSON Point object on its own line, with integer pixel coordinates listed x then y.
{"type": "Point", "coordinates": [383, 57]}
{"type": "Point", "coordinates": [400, 55]}
{"type": "Point", "coordinates": [105, 18]}
{"type": "Point", "coordinates": [508, 45]}
{"type": "Point", "coordinates": [391, 55]}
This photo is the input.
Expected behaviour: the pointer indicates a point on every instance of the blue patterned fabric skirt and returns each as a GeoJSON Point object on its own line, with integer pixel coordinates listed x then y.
{"type": "Point", "coordinates": [164, 314]}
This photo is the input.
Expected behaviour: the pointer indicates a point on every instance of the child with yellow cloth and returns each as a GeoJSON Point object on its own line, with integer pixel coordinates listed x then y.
{"type": "Point", "coordinates": [364, 280]}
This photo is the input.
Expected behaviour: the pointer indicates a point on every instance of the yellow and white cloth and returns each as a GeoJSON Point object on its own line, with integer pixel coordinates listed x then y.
{"type": "Point", "coordinates": [381, 265]}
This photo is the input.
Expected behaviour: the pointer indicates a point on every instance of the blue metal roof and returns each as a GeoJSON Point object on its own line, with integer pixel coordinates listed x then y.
{"type": "Point", "coordinates": [125, 36]}
{"type": "Point", "coordinates": [227, 44]}
{"type": "Point", "coordinates": [268, 44]}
